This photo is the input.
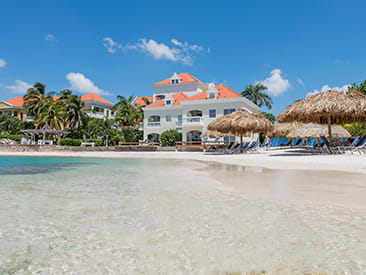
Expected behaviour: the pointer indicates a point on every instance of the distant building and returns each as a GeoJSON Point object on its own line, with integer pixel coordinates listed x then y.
{"type": "Point", "coordinates": [184, 103]}
{"type": "Point", "coordinates": [98, 107]}
{"type": "Point", "coordinates": [95, 106]}
{"type": "Point", "coordinates": [14, 107]}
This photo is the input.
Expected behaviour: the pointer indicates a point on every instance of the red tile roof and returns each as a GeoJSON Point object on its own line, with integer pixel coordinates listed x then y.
{"type": "Point", "coordinates": [179, 97]}
{"type": "Point", "coordinates": [17, 101]}
{"type": "Point", "coordinates": [139, 101]}
{"type": "Point", "coordinates": [184, 77]}
{"type": "Point", "coordinates": [94, 97]}
{"type": "Point", "coordinates": [224, 92]}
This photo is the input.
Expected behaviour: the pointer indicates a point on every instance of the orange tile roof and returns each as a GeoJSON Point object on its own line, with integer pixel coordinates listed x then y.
{"type": "Point", "coordinates": [179, 97]}
{"type": "Point", "coordinates": [224, 92]}
{"type": "Point", "coordinates": [158, 103]}
{"type": "Point", "coordinates": [139, 101]}
{"type": "Point", "coordinates": [17, 101]}
{"type": "Point", "coordinates": [184, 77]}
{"type": "Point", "coordinates": [94, 97]}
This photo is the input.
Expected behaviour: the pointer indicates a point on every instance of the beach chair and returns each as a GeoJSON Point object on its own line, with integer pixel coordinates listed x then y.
{"type": "Point", "coordinates": [235, 149]}
{"type": "Point", "coordinates": [250, 147]}
{"type": "Point", "coordinates": [360, 146]}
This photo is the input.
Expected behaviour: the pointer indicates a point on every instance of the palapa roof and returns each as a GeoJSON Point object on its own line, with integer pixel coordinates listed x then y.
{"type": "Point", "coordinates": [283, 129]}
{"type": "Point", "coordinates": [338, 106]}
{"type": "Point", "coordinates": [312, 130]}
{"type": "Point", "coordinates": [241, 122]}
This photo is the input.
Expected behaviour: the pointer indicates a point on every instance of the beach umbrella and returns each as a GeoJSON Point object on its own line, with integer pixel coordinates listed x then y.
{"type": "Point", "coordinates": [213, 134]}
{"type": "Point", "coordinates": [330, 107]}
{"type": "Point", "coordinates": [283, 129]}
{"type": "Point", "coordinates": [241, 123]}
{"type": "Point", "coordinates": [313, 130]}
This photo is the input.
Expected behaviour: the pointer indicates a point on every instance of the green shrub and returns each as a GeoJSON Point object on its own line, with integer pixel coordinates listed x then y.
{"type": "Point", "coordinates": [170, 137]}
{"type": "Point", "coordinates": [77, 142]}
{"type": "Point", "coordinates": [116, 139]}
{"type": "Point", "coordinates": [71, 142]}
{"type": "Point", "coordinates": [12, 137]}
{"type": "Point", "coordinates": [131, 134]}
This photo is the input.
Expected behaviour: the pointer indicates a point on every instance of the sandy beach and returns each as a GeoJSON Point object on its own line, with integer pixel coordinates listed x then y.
{"type": "Point", "coordinates": [289, 159]}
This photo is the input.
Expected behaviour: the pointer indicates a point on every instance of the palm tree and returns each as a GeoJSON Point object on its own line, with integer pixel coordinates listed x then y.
{"type": "Point", "coordinates": [127, 115]}
{"type": "Point", "coordinates": [36, 97]}
{"type": "Point", "coordinates": [254, 94]}
{"type": "Point", "coordinates": [54, 114]}
{"type": "Point", "coordinates": [76, 115]}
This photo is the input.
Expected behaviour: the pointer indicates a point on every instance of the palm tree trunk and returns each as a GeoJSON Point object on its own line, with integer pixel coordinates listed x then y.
{"type": "Point", "coordinates": [330, 131]}
{"type": "Point", "coordinates": [241, 142]}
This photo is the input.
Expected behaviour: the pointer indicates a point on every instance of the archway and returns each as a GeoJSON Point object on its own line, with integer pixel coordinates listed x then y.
{"type": "Point", "coordinates": [153, 137]}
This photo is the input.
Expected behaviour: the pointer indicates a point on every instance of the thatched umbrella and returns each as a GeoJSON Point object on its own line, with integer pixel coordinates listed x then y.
{"type": "Point", "coordinates": [312, 130]}
{"type": "Point", "coordinates": [330, 107]}
{"type": "Point", "coordinates": [282, 129]}
{"type": "Point", "coordinates": [241, 123]}
{"type": "Point", "coordinates": [214, 134]}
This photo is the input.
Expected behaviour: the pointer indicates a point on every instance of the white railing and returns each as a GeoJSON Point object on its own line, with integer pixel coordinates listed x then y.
{"type": "Point", "coordinates": [193, 120]}
{"type": "Point", "coordinates": [153, 124]}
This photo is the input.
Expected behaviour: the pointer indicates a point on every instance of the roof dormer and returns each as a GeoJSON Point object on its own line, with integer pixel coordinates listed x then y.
{"type": "Point", "coordinates": [175, 79]}
{"type": "Point", "coordinates": [169, 100]}
{"type": "Point", "coordinates": [212, 93]}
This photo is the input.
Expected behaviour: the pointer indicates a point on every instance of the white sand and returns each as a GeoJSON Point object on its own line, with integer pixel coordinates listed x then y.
{"type": "Point", "coordinates": [276, 159]}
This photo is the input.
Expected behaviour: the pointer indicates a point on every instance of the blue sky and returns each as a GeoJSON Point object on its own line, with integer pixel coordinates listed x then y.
{"type": "Point", "coordinates": [123, 47]}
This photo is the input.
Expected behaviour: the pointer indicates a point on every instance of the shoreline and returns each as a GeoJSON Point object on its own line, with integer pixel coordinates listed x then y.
{"type": "Point", "coordinates": [275, 159]}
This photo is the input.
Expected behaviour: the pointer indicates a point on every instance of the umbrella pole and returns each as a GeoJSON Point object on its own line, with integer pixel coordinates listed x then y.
{"type": "Point", "coordinates": [241, 143]}
{"type": "Point", "coordinates": [330, 131]}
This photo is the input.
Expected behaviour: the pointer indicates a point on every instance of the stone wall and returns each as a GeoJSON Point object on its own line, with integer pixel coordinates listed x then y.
{"type": "Point", "coordinates": [57, 148]}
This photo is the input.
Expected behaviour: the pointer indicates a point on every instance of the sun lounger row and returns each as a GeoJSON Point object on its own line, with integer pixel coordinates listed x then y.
{"type": "Point", "coordinates": [235, 148]}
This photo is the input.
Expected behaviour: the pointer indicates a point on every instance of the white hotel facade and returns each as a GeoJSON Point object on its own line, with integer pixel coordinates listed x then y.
{"type": "Point", "coordinates": [184, 103]}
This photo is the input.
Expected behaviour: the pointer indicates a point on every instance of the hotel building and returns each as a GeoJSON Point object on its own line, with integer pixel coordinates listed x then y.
{"type": "Point", "coordinates": [184, 103]}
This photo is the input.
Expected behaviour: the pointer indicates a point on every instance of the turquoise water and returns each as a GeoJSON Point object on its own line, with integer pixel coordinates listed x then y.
{"type": "Point", "coordinates": [141, 216]}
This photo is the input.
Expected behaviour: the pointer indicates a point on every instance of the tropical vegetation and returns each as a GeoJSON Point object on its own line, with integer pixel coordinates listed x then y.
{"type": "Point", "coordinates": [254, 94]}
{"type": "Point", "coordinates": [170, 137]}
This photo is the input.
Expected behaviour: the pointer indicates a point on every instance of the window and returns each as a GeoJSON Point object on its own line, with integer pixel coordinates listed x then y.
{"type": "Point", "coordinates": [168, 102]}
{"type": "Point", "coordinates": [211, 95]}
{"type": "Point", "coordinates": [180, 119]}
{"type": "Point", "coordinates": [168, 118]}
{"type": "Point", "coordinates": [228, 111]}
{"type": "Point", "coordinates": [212, 113]}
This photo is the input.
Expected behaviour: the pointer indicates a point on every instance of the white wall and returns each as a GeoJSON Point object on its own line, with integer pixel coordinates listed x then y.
{"type": "Point", "coordinates": [189, 88]}
{"type": "Point", "coordinates": [203, 105]}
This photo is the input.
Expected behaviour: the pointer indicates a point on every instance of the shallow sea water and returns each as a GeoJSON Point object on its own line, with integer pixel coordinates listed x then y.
{"type": "Point", "coordinates": [141, 216]}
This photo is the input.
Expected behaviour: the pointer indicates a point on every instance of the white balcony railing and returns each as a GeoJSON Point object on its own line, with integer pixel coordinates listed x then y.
{"type": "Point", "coordinates": [194, 120]}
{"type": "Point", "coordinates": [153, 124]}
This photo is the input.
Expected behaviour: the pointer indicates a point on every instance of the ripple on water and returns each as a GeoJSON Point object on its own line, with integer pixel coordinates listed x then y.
{"type": "Point", "coordinates": [159, 217]}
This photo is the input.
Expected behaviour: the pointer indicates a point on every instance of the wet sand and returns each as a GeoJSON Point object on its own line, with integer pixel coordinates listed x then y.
{"type": "Point", "coordinates": [276, 159]}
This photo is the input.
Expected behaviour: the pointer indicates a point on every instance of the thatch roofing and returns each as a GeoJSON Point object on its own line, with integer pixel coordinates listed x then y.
{"type": "Point", "coordinates": [241, 123]}
{"type": "Point", "coordinates": [330, 106]}
{"type": "Point", "coordinates": [283, 129]}
{"type": "Point", "coordinates": [312, 130]}
{"type": "Point", "coordinates": [213, 134]}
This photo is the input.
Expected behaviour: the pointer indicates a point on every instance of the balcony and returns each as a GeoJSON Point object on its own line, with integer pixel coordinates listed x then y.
{"type": "Point", "coordinates": [153, 124]}
{"type": "Point", "coordinates": [193, 121]}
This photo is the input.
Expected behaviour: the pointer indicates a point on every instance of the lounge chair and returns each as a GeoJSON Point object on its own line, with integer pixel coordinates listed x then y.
{"type": "Point", "coordinates": [360, 146]}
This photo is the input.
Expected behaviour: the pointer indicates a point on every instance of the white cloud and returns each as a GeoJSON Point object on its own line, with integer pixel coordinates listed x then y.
{"type": "Point", "coordinates": [84, 85]}
{"type": "Point", "coordinates": [2, 63]}
{"type": "Point", "coordinates": [299, 80]}
{"type": "Point", "coordinates": [325, 88]}
{"type": "Point", "coordinates": [179, 52]}
{"type": "Point", "coordinates": [20, 87]}
{"type": "Point", "coordinates": [111, 45]}
{"type": "Point", "coordinates": [275, 83]}
{"type": "Point", "coordinates": [50, 37]}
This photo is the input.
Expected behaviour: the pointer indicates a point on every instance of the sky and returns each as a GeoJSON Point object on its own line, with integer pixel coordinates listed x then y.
{"type": "Point", "coordinates": [112, 48]}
